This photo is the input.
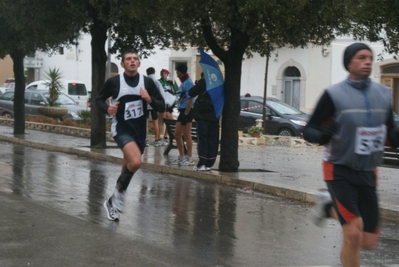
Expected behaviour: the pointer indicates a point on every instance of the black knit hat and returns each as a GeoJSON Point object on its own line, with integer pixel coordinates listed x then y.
{"type": "Point", "coordinates": [351, 51]}
{"type": "Point", "coordinates": [182, 68]}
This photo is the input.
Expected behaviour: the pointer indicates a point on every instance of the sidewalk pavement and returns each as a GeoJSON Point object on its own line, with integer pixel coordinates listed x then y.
{"type": "Point", "coordinates": [290, 172]}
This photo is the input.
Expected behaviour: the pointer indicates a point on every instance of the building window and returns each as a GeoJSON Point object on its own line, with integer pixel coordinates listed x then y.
{"type": "Point", "coordinates": [392, 69]}
{"type": "Point", "coordinates": [292, 72]}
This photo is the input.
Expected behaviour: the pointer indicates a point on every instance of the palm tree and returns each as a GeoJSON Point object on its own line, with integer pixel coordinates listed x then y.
{"type": "Point", "coordinates": [53, 109]}
{"type": "Point", "coordinates": [53, 77]}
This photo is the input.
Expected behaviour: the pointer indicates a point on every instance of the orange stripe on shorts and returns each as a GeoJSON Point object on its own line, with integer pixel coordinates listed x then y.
{"type": "Point", "coordinates": [328, 169]}
{"type": "Point", "coordinates": [346, 214]}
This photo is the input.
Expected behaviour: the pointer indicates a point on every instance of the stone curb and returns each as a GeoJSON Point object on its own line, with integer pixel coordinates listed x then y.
{"type": "Point", "coordinates": [215, 177]}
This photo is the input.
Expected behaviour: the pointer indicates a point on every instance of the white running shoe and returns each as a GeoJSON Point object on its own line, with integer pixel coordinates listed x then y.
{"type": "Point", "coordinates": [178, 161]}
{"type": "Point", "coordinates": [201, 168]}
{"type": "Point", "coordinates": [208, 169]}
{"type": "Point", "coordinates": [188, 161]}
{"type": "Point", "coordinates": [165, 141]}
{"type": "Point", "coordinates": [157, 143]}
{"type": "Point", "coordinates": [319, 214]}
{"type": "Point", "coordinates": [112, 213]}
{"type": "Point", "coordinates": [118, 200]}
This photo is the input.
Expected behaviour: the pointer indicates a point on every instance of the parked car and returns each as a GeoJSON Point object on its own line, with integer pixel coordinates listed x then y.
{"type": "Point", "coordinates": [73, 88]}
{"type": "Point", "coordinates": [8, 81]}
{"type": "Point", "coordinates": [6, 112]}
{"type": "Point", "coordinates": [9, 86]}
{"type": "Point", "coordinates": [281, 118]}
{"type": "Point", "coordinates": [36, 98]}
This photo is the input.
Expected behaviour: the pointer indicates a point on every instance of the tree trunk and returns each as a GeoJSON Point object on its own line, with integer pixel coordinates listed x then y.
{"type": "Point", "coordinates": [232, 60]}
{"type": "Point", "coordinates": [19, 95]}
{"type": "Point", "coordinates": [229, 140]}
{"type": "Point", "coordinates": [98, 65]}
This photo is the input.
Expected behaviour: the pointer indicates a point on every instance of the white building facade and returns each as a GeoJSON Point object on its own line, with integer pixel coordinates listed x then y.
{"type": "Point", "coordinates": [295, 76]}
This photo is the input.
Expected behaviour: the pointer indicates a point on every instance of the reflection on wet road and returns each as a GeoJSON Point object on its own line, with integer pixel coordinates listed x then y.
{"type": "Point", "coordinates": [219, 225]}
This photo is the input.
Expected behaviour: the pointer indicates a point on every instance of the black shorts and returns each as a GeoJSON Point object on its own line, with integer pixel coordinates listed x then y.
{"type": "Point", "coordinates": [190, 115]}
{"type": "Point", "coordinates": [154, 114]}
{"type": "Point", "coordinates": [354, 194]}
{"type": "Point", "coordinates": [122, 139]}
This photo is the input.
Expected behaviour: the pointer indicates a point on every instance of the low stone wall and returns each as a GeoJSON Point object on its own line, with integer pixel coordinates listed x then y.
{"type": "Point", "coordinates": [54, 128]}
{"type": "Point", "coordinates": [243, 140]}
{"type": "Point", "coordinates": [272, 140]}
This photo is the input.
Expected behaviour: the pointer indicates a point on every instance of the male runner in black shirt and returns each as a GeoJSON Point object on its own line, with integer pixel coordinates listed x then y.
{"type": "Point", "coordinates": [130, 94]}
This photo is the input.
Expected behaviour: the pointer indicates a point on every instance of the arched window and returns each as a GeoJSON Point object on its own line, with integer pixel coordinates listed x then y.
{"type": "Point", "coordinates": [292, 72]}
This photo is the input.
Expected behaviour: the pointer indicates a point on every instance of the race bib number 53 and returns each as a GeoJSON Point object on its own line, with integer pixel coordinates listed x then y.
{"type": "Point", "coordinates": [134, 109]}
{"type": "Point", "coordinates": [370, 139]}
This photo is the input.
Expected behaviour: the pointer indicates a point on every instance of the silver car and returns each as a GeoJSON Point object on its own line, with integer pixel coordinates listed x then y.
{"type": "Point", "coordinates": [36, 98]}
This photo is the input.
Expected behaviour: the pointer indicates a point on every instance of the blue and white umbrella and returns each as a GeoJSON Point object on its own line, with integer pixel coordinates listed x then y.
{"type": "Point", "coordinates": [214, 81]}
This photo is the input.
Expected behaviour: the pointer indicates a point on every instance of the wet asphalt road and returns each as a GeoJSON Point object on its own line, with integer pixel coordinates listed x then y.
{"type": "Point", "coordinates": [52, 215]}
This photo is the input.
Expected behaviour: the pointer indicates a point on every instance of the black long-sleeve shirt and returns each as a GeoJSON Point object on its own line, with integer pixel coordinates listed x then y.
{"type": "Point", "coordinates": [112, 86]}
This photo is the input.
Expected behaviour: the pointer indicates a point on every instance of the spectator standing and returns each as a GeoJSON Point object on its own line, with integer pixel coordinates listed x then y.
{"type": "Point", "coordinates": [170, 99]}
{"type": "Point", "coordinates": [154, 114]}
{"type": "Point", "coordinates": [207, 127]}
{"type": "Point", "coordinates": [130, 92]}
{"type": "Point", "coordinates": [184, 121]}
{"type": "Point", "coordinates": [352, 120]}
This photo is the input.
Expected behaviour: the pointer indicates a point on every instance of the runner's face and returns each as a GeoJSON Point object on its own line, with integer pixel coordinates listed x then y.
{"type": "Point", "coordinates": [131, 63]}
{"type": "Point", "coordinates": [164, 75]}
{"type": "Point", "coordinates": [360, 66]}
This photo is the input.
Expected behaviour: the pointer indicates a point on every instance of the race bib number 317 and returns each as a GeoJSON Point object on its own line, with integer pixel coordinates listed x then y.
{"type": "Point", "coordinates": [370, 139]}
{"type": "Point", "coordinates": [134, 109]}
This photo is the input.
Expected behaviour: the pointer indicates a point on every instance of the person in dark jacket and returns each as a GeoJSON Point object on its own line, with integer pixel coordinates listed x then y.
{"type": "Point", "coordinates": [207, 127]}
